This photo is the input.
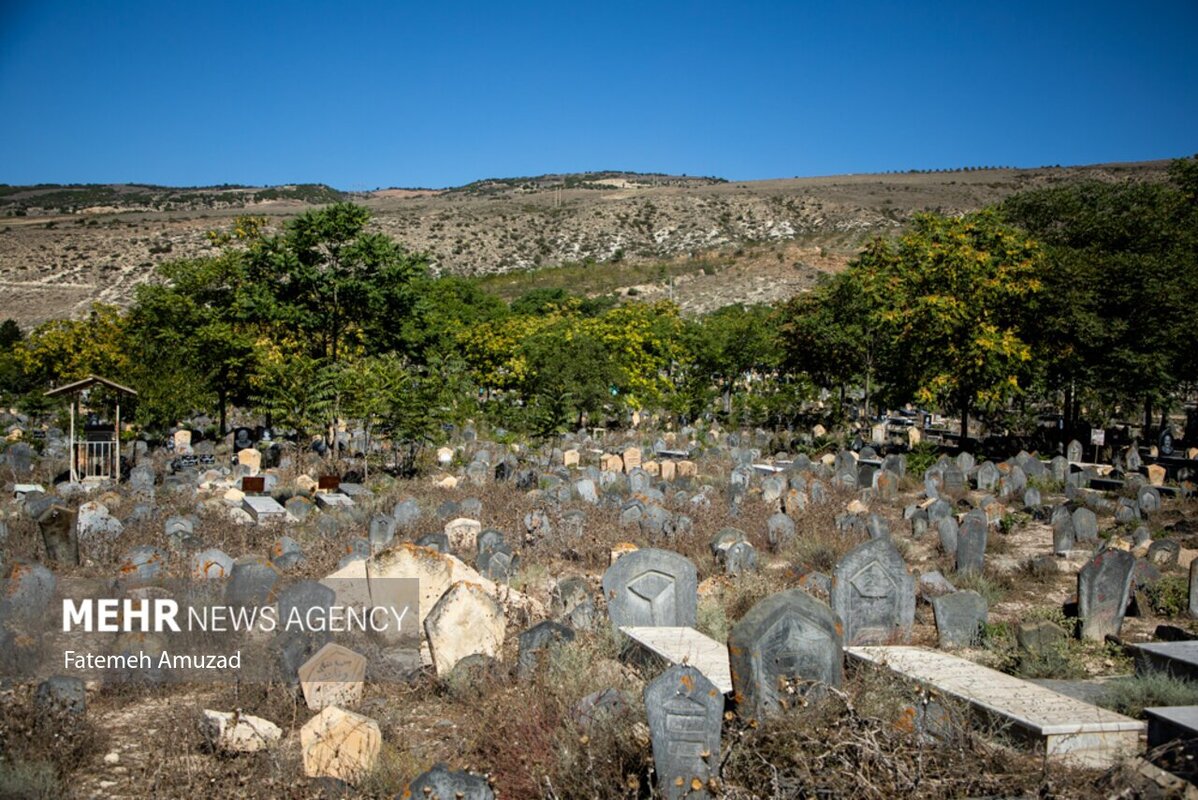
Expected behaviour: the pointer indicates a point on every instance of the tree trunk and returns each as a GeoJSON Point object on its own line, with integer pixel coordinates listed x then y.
{"type": "Point", "coordinates": [1067, 416]}
{"type": "Point", "coordinates": [964, 404]}
{"type": "Point", "coordinates": [1147, 416]}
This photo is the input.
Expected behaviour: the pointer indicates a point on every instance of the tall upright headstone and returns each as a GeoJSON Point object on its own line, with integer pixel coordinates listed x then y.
{"type": "Point", "coordinates": [873, 594]}
{"type": "Point", "coordinates": [1103, 589]}
{"type": "Point", "coordinates": [686, 712]}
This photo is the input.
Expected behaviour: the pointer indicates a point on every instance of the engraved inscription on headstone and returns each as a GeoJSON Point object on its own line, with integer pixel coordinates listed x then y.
{"type": "Point", "coordinates": [873, 594]}
{"type": "Point", "coordinates": [685, 712]}
{"type": "Point", "coordinates": [651, 587]}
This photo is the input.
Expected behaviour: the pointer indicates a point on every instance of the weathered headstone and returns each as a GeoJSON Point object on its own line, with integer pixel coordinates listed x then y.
{"type": "Point", "coordinates": [651, 587]}
{"type": "Point", "coordinates": [340, 744]}
{"type": "Point", "coordinates": [537, 641]}
{"type": "Point", "coordinates": [1085, 525]}
{"type": "Point", "coordinates": [873, 594]}
{"type": "Point", "coordinates": [785, 641]}
{"type": "Point", "coordinates": [441, 782]}
{"type": "Point", "coordinates": [971, 542]}
{"type": "Point", "coordinates": [685, 712]}
{"type": "Point", "coordinates": [959, 618]}
{"type": "Point", "coordinates": [463, 534]}
{"type": "Point", "coordinates": [1103, 589]}
{"type": "Point", "coordinates": [465, 621]}
{"type": "Point", "coordinates": [1063, 536]}
{"type": "Point", "coordinates": [334, 676]}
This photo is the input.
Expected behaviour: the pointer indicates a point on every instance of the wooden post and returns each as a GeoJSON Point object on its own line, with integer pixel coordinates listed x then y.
{"type": "Point", "coordinates": [74, 452]}
{"type": "Point", "coordinates": [116, 443]}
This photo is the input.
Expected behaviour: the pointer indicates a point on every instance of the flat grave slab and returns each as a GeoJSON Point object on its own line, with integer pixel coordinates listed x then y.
{"type": "Point", "coordinates": [1067, 727]}
{"type": "Point", "coordinates": [355, 490]}
{"type": "Point", "coordinates": [22, 489]}
{"type": "Point", "coordinates": [1179, 659]}
{"type": "Point", "coordinates": [1167, 723]}
{"type": "Point", "coordinates": [679, 454]}
{"type": "Point", "coordinates": [686, 646]}
{"type": "Point", "coordinates": [333, 500]}
{"type": "Point", "coordinates": [768, 469]}
{"type": "Point", "coordinates": [263, 507]}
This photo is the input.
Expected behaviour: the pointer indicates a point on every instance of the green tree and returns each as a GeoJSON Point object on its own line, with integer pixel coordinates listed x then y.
{"type": "Point", "coordinates": [955, 297]}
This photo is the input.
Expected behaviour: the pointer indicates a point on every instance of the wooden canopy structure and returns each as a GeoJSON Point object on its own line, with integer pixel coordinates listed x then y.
{"type": "Point", "coordinates": [95, 456]}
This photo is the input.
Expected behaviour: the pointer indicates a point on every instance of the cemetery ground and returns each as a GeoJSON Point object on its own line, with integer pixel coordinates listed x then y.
{"type": "Point", "coordinates": [535, 731]}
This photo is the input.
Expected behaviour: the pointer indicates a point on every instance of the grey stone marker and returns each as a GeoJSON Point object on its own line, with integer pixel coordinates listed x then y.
{"type": "Point", "coordinates": [251, 582]}
{"type": "Point", "coordinates": [57, 526]}
{"type": "Point", "coordinates": [988, 477]}
{"type": "Point", "coordinates": [740, 558]}
{"type": "Point", "coordinates": [142, 564]}
{"type": "Point", "coordinates": [1103, 588]}
{"type": "Point", "coordinates": [873, 594]}
{"type": "Point", "coordinates": [536, 641]}
{"type": "Point", "coordinates": [877, 527]}
{"type": "Point", "coordinates": [382, 531]}
{"type": "Point", "coordinates": [1085, 525]}
{"type": "Point", "coordinates": [1193, 604]}
{"type": "Point", "coordinates": [1060, 468]}
{"type": "Point", "coordinates": [1062, 530]}
{"type": "Point", "coordinates": [572, 604]}
{"type": "Point", "coordinates": [61, 694]}
{"type": "Point", "coordinates": [1164, 553]}
{"type": "Point", "coordinates": [286, 553]}
{"type": "Point", "coordinates": [441, 782]}
{"type": "Point", "coordinates": [959, 618]}
{"type": "Point", "coordinates": [1149, 499]}
{"type": "Point", "coordinates": [406, 513]}
{"type": "Point", "coordinates": [651, 587]}
{"type": "Point", "coordinates": [685, 712]}
{"type": "Point", "coordinates": [1074, 451]}
{"type": "Point", "coordinates": [1031, 498]}
{"type": "Point", "coordinates": [434, 541]}
{"type": "Point", "coordinates": [789, 637]}
{"type": "Point", "coordinates": [971, 542]}
{"type": "Point", "coordinates": [949, 533]}
{"type": "Point", "coordinates": [780, 530]}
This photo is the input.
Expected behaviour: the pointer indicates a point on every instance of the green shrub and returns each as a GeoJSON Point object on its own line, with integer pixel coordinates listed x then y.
{"type": "Point", "coordinates": [1131, 696]}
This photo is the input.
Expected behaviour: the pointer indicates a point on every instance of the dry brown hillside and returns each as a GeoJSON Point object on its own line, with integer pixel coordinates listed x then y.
{"type": "Point", "coordinates": [62, 248]}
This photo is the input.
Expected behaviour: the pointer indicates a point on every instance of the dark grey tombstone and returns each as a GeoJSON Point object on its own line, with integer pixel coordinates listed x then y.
{"type": "Point", "coordinates": [639, 481]}
{"type": "Point", "coordinates": [406, 513]}
{"type": "Point", "coordinates": [1063, 535]}
{"type": "Point", "coordinates": [448, 510]}
{"type": "Point", "coordinates": [1193, 597]}
{"type": "Point", "coordinates": [251, 582]}
{"type": "Point", "coordinates": [789, 640]}
{"type": "Point", "coordinates": [471, 507]}
{"type": "Point", "coordinates": [27, 593]}
{"type": "Point", "coordinates": [489, 539]}
{"type": "Point", "coordinates": [919, 524]}
{"type": "Point", "coordinates": [536, 522]}
{"type": "Point", "coordinates": [500, 564]}
{"type": "Point", "coordinates": [382, 531]}
{"type": "Point", "coordinates": [434, 541]}
{"type": "Point", "coordinates": [1127, 512]}
{"type": "Point", "coordinates": [949, 534]}
{"type": "Point", "coordinates": [939, 510]}
{"type": "Point", "coordinates": [959, 618]}
{"type": "Point", "coordinates": [572, 604]}
{"type": "Point", "coordinates": [286, 553]}
{"type": "Point", "coordinates": [971, 543]}
{"type": "Point", "coordinates": [988, 477]}
{"type": "Point", "coordinates": [651, 587]}
{"type": "Point", "coordinates": [536, 642]}
{"type": "Point", "coordinates": [725, 539]}
{"type": "Point", "coordinates": [873, 594]}
{"type": "Point", "coordinates": [1149, 499]}
{"type": "Point", "coordinates": [441, 782]}
{"type": "Point", "coordinates": [1031, 498]}
{"type": "Point", "coordinates": [61, 694]}
{"type": "Point", "coordinates": [895, 463]}
{"type": "Point", "coordinates": [302, 597]}
{"type": "Point", "coordinates": [57, 525]}
{"type": "Point", "coordinates": [877, 527]}
{"type": "Point", "coordinates": [1014, 482]}
{"type": "Point", "coordinates": [1060, 468]}
{"type": "Point", "coordinates": [299, 507]}
{"type": "Point", "coordinates": [780, 530]}
{"type": "Point", "coordinates": [1164, 553]}
{"type": "Point", "coordinates": [740, 558]}
{"type": "Point", "coordinates": [654, 521]}
{"type": "Point", "coordinates": [1085, 525]}
{"type": "Point", "coordinates": [1103, 588]}
{"type": "Point", "coordinates": [819, 493]}
{"type": "Point", "coordinates": [573, 524]}
{"type": "Point", "coordinates": [631, 513]}
{"type": "Point", "coordinates": [933, 584]}
{"type": "Point", "coordinates": [593, 707]}
{"type": "Point", "coordinates": [953, 481]}
{"type": "Point", "coordinates": [686, 713]}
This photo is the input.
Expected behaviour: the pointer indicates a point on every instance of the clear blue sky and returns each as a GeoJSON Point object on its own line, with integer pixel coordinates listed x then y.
{"type": "Point", "coordinates": [366, 94]}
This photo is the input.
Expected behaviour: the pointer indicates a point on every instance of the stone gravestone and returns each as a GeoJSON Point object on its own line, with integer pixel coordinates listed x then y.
{"type": "Point", "coordinates": [1085, 525]}
{"type": "Point", "coordinates": [685, 712]}
{"type": "Point", "coordinates": [466, 621]}
{"type": "Point", "coordinates": [340, 744]}
{"type": "Point", "coordinates": [441, 782]}
{"type": "Point", "coordinates": [1073, 452]}
{"type": "Point", "coordinates": [334, 676]}
{"type": "Point", "coordinates": [1103, 589]}
{"type": "Point", "coordinates": [971, 542]}
{"type": "Point", "coordinates": [536, 641]}
{"type": "Point", "coordinates": [786, 639]}
{"type": "Point", "coordinates": [57, 526]}
{"type": "Point", "coordinates": [780, 529]}
{"type": "Point", "coordinates": [873, 594]}
{"type": "Point", "coordinates": [1062, 530]}
{"type": "Point", "coordinates": [949, 533]}
{"type": "Point", "coordinates": [988, 477]}
{"type": "Point", "coordinates": [1148, 499]}
{"type": "Point", "coordinates": [651, 587]}
{"type": "Point", "coordinates": [382, 531]}
{"type": "Point", "coordinates": [959, 618]}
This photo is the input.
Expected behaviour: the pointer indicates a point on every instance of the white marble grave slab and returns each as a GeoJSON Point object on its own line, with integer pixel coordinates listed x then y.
{"type": "Point", "coordinates": [687, 646]}
{"type": "Point", "coordinates": [22, 489]}
{"type": "Point", "coordinates": [1067, 727]}
{"type": "Point", "coordinates": [333, 500]}
{"type": "Point", "coordinates": [263, 507]}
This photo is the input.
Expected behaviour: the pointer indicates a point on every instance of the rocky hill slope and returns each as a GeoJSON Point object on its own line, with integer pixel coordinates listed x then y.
{"type": "Point", "coordinates": [63, 247]}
